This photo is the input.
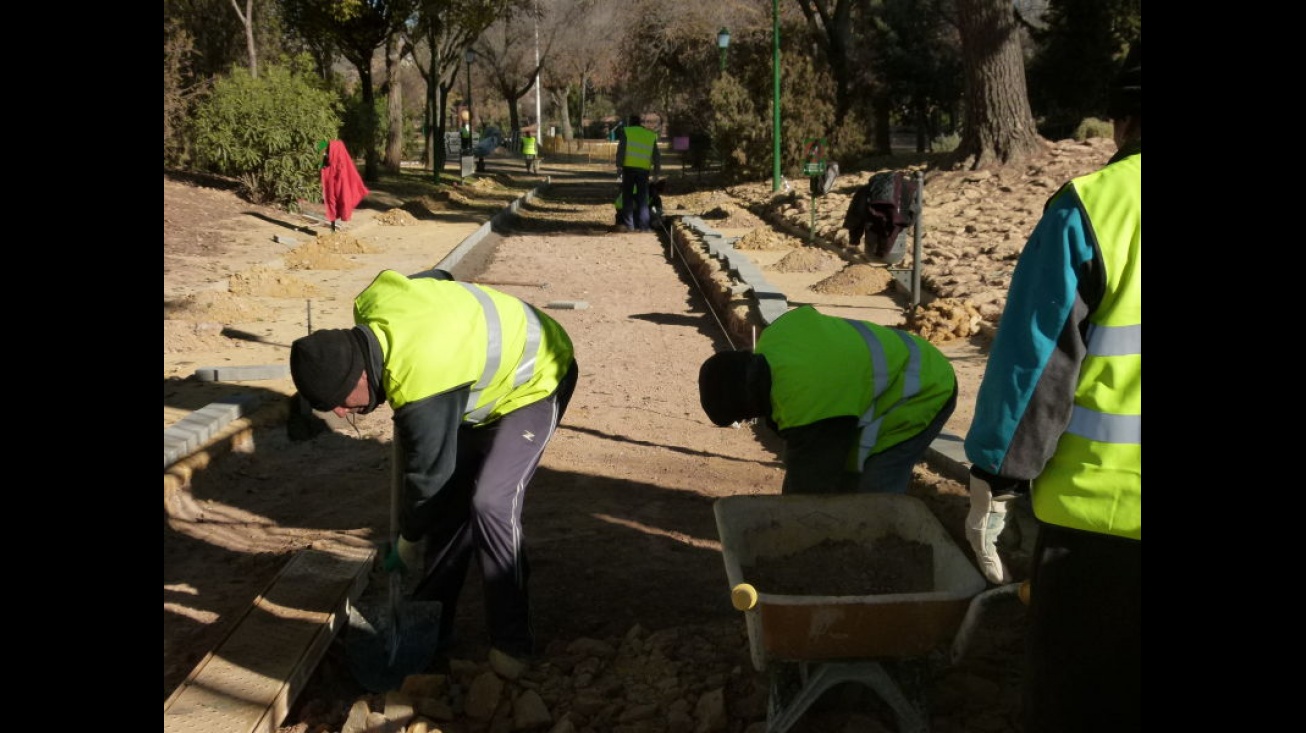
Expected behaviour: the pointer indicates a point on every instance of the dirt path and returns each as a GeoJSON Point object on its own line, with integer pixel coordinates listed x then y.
{"type": "Point", "coordinates": [630, 600]}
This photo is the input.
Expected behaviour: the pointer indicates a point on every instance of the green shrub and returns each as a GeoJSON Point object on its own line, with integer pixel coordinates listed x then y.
{"type": "Point", "coordinates": [1093, 127]}
{"type": "Point", "coordinates": [262, 132]}
{"type": "Point", "coordinates": [734, 131]}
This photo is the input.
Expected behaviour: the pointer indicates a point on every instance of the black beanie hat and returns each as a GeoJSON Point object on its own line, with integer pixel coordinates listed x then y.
{"type": "Point", "coordinates": [723, 387]}
{"type": "Point", "coordinates": [325, 367]}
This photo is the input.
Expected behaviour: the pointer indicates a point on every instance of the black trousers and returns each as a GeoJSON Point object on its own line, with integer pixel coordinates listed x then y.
{"type": "Point", "coordinates": [480, 515]}
{"type": "Point", "coordinates": [1083, 664]}
{"type": "Point", "coordinates": [634, 208]}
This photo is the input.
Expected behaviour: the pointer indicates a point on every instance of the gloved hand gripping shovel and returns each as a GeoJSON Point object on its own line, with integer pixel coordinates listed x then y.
{"type": "Point", "coordinates": [390, 638]}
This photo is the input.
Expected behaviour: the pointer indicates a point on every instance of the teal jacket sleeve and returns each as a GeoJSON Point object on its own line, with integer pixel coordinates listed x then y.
{"type": "Point", "coordinates": [1026, 396]}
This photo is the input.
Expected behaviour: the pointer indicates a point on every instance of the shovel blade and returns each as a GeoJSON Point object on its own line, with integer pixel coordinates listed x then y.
{"type": "Point", "coordinates": [386, 643]}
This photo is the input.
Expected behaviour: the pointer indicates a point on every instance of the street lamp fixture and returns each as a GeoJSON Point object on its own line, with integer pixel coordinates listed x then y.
{"type": "Point", "coordinates": [722, 42]}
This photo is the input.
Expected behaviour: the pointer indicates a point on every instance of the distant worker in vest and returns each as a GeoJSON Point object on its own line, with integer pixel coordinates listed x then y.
{"type": "Point", "coordinates": [478, 381]}
{"type": "Point", "coordinates": [1058, 421]}
{"type": "Point", "coordinates": [530, 151]}
{"type": "Point", "coordinates": [637, 155]}
{"type": "Point", "coordinates": [655, 191]}
{"type": "Point", "coordinates": [856, 403]}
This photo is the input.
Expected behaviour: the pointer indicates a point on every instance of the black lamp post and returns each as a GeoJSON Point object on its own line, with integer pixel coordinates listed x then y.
{"type": "Point", "coordinates": [722, 42]}
{"type": "Point", "coordinates": [469, 56]}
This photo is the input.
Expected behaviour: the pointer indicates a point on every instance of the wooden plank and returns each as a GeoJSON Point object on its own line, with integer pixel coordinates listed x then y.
{"type": "Point", "coordinates": [249, 682]}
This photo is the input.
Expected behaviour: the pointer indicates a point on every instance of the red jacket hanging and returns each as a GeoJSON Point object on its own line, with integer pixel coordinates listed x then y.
{"type": "Point", "coordinates": [342, 187]}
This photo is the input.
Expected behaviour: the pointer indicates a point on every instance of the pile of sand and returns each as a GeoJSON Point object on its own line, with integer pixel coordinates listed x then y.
{"type": "Point", "coordinates": [809, 259]}
{"type": "Point", "coordinates": [855, 280]}
{"type": "Point", "coordinates": [213, 307]}
{"type": "Point", "coordinates": [343, 243]}
{"type": "Point", "coordinates": [270, 283]}
{"type": "Point", "coordinates": [945, 319]}
{"type": "Point", "coordinates": [183, 336]}
{"type": "Point", "coordinates": [764, 238]}
{"type": "Point", "coordinates": [396, 217]}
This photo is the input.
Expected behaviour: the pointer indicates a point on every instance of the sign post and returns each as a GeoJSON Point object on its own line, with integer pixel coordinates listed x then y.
{"type": "Point", "coordinates": [814, 153]}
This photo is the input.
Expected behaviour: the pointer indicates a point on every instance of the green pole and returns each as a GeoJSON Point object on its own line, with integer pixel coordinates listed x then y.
{"type": "Point", "coordinates": [811, 234]}
{"type": "Point", "coordinates": [775, 114]}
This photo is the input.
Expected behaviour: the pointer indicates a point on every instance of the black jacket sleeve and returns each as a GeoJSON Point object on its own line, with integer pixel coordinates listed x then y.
{"type": "Point", "coordinates": [427, 431]}
{"type": "Point", "coordinates": [816, 456]}
{"type": "Point", "coordinates": [854, 220]}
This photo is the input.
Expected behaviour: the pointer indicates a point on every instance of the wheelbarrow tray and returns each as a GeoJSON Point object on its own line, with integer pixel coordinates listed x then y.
{"type": "Point", "coordinates": [754, 529]}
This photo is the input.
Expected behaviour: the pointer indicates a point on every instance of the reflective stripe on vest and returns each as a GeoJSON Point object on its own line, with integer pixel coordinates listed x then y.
{"type": "Point", "coordinates": [494, 353]}
{"type": "Point", "coordinates": [869, 422]}
{"type": "Point", "coordinates": [1101, 426]}
{"type": "Point", "coordinates": [639, 148]}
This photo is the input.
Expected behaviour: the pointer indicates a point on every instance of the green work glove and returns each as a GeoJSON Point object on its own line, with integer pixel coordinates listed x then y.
{"type": "Point", "coordinates": [404, 556]}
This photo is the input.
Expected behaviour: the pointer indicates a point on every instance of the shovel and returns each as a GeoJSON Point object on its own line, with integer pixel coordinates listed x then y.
{"type": "Point", "coordinates": [391, 638]}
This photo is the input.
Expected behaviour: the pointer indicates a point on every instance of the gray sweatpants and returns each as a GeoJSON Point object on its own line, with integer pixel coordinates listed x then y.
{"type": "Point", "coordinates": [480, 514]}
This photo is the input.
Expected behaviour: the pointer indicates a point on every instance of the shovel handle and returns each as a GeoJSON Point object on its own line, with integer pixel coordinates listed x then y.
{"type": "Point", "coordinates": [396, 488]}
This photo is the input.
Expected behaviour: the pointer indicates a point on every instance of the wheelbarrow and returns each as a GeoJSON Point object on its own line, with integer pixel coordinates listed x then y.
{"type": "Point", "coordinates": [809, 641]}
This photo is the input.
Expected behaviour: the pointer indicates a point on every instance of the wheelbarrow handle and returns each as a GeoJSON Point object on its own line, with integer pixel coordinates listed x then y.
{"type": "Point", "coordinates": [743, 597]}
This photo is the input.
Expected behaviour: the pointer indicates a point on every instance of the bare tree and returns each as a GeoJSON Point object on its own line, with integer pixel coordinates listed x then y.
{"type": "Point", "coordinates": [507, 53]}
{"type": "Point", "coordinates": [358, 28]}
{"type": "Point", "coordinates": [575, 56]}
{"type": "Point", "coordinates": [519, 47]}
{"type": "Point", "coordinates": [394, 97]}
{"type": "Point", "coordinates": [667, 54]}
{"type": "Point", "coordinates": [247, 20]}
{"type": "Point", "coordinates": [999, 127]}
{"type": "Point", "coordinates": [442, 31]}
{"type": "Point", "coordinates": [832, 23]}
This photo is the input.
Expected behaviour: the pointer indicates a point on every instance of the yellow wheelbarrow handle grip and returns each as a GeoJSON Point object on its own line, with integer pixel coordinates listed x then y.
{"type": "Point", "coordinates": [743, 597]}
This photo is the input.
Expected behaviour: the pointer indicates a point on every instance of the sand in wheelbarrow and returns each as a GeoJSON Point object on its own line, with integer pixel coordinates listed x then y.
{"type": "Point", "coordinates": [890, 564]}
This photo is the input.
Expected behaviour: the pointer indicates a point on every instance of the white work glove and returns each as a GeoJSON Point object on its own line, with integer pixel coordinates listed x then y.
{"type": "Point", "coordinates": [984, 523]}
{"type": "Point", "coordinates": [404, 556]}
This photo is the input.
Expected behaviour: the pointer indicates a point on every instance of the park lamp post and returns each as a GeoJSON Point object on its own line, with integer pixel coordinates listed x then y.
{"type": "Point", "coordinates": [722, 42]}
{"type": "Point", "coordinates": [469, 56]}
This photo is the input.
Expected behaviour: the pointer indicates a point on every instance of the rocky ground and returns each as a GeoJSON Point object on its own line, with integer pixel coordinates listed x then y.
{"type": "Point", "coordinates": [637, 635]}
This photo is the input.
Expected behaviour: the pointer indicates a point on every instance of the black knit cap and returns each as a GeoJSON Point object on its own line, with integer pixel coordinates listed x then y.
{"type": "Point", "coordinates": [1126, 98]}
{"type": "Point", "coordinates": [723, 387]}
{"type": "Point", "coordinates": [325, 367]}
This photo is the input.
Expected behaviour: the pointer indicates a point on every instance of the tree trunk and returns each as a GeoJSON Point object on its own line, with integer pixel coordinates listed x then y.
{"type": "Point", "coordinates": [394, 144]}
{"type": "Point", "coordinates": [370, 162]}
{"type": "Point", "coordinates": [583, 86]}
{"type": "Point", "coordinates": [999, 127]}
{"type": "Point", "coordinates": [247, 20]}
{"type": "Point", "coordinates": [514, 118]}
{"type": "Point", "coordinates": [883, 123]}
{"type": "Point", "coordinates": [564, 113]}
